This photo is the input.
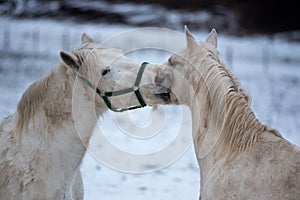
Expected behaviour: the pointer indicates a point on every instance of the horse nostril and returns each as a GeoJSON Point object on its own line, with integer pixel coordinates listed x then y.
{"type": "Point", "coordinates": [158, 80]}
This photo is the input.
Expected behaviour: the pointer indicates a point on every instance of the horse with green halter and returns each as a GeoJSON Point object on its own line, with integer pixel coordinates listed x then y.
{"type": "Point", "coordinates": [43, 143]}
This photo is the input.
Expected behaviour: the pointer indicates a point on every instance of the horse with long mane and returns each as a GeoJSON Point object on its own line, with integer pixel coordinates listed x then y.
{"type": "Point", "coordinates": [41, 149]}
{"type": "Point", "coordinates": [239, 157]}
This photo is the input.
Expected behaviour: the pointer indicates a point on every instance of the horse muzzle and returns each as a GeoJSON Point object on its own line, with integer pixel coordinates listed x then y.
{"type": "Point", "coordinates": [162, 85]}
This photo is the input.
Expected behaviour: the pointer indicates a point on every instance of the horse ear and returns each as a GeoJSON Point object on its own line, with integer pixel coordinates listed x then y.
{"type": "Point", "coordinates": [212, 38]}
{"type": "Point", "coordinates": [191, 41]}
{"type": "Point", "coordinates": [86, 39]}
{"type": "Point", "coordinates": [70, 60]}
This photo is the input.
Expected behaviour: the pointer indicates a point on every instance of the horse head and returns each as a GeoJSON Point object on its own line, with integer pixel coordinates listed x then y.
{"type": "Point", "coordinates": [183, 65]}
{"type": "Point", "coordinates": [121, 83]}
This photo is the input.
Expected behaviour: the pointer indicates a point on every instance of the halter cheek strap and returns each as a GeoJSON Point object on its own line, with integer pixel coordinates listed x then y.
{"type": "Point", "coordinates": [135, 88]}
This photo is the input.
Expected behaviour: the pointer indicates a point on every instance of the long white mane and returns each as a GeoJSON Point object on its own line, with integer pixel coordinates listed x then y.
{"type": "Point", "coordinates": [231, 114]}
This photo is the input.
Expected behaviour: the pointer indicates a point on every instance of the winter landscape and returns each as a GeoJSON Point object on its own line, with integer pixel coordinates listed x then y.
{"type": "Point", "coordinates": [267, 67]}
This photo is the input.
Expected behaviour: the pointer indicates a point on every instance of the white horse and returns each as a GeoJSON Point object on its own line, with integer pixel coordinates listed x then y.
{"type": "Point", "coordinates": [239, 158]}
{"type": "Point", "coordinates": [40, 147]}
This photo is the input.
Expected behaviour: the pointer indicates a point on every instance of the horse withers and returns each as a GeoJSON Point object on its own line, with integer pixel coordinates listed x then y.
{"type": "Point", "coordinates": [40, 148]}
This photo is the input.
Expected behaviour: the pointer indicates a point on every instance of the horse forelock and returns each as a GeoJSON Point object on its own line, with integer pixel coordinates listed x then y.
{"type": "Point", "coordinates": [88, 61]}
{"type": "Point", "coordinates": [90, 46]}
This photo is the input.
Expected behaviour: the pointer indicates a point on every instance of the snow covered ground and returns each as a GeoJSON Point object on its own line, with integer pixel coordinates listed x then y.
{"type": "Point", "coordinates": [268, 68]}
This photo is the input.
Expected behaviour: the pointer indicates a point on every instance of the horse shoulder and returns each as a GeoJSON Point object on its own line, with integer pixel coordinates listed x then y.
{"type": "Point", "coordinates": [269, 170]}
{"type": "Point", "coordinates": [277, 164]}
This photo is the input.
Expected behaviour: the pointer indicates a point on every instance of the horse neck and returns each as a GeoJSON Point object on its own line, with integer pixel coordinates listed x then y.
{"type": "Point", "coordinates": [72, 103]}
{"type": "Point", "coordinates": [51, 119]}
{"type": "Point", "coordinates": [223, 122]}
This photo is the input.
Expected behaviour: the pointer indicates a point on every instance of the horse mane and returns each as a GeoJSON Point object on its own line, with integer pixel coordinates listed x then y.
{"type": "Point", "coordinates": [230, 105]}
{"type": "Point", "coordinates": [31, 99]}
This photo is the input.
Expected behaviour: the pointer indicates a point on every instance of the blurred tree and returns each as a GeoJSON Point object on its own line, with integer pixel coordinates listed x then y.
{"type": "Point", "coordinates": [267, 16]}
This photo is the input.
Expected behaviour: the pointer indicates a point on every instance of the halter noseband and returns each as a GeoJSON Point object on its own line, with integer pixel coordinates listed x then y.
{"type": "Point", "coordinates": [135, 88]}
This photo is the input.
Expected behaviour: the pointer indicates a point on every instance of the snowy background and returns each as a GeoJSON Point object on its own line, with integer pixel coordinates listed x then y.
{"type": "Point", "coordinates": [268, 68]}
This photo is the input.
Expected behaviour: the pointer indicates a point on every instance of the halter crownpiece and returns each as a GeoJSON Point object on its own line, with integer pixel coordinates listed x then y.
{"type": "Point", "coordinates": [135, 88]}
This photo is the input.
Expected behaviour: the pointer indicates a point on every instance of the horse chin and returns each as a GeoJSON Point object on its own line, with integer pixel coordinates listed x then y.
{"type": "Point", "coordinates": [161, 94]}
{"type": "Point", "coordinates": [160, 99]}
{"type": "Point", "coordinates": [155, 100]}
{"type": "Point", "coordinates": [164, 97]}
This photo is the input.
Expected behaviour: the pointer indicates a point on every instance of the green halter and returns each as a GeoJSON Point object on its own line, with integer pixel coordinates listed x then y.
{"type": "Point", "coordinates": [135, 88]}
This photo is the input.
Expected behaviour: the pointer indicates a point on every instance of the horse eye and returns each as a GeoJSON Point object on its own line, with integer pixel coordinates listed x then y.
{"type": "Point", "coordinates": [105, 71]}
